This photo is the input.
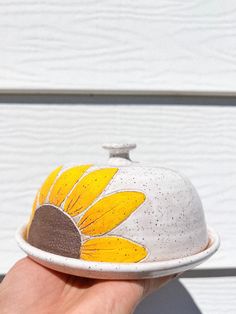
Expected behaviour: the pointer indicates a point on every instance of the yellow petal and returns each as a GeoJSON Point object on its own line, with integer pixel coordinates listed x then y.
{"type": "Point", "coordinates": [109, 212]}
{"type": "Point", "coordinates": [87, 190]}
{"type": "Point", "coordinates": [112, 249]}
{"type": "Point", "coordinates": [65, 183]}
{"type": "Point", "coordinates": [32, 213]}
{"type": "Point", "coordinates": [47, 185]}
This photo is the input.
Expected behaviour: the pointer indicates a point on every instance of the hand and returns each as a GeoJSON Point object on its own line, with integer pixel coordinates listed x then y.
{"type": "Point", "coordinates": [30, 288]}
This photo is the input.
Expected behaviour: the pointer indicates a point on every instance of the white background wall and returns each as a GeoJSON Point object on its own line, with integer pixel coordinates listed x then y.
{"type": "Point", "coordinates": [142, 45]}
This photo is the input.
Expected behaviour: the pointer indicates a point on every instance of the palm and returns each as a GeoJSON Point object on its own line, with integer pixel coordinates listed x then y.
{"type": "Point", "coordinates": [32, 288]}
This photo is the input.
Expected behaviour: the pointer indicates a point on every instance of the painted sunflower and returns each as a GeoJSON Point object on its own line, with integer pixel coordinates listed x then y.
{"type": "Point", "coordinates": [68, 217]}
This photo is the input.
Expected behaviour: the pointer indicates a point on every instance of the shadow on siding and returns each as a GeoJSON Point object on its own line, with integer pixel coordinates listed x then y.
{"type": "Point", "coordinates": [171, 299]}
{"type": "Point", "coordinates": [67, 99]}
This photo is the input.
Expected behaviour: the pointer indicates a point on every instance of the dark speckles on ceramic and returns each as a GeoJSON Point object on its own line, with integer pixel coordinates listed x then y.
{"type": "Point", "coordinates": [167, 224]}
{"type": "Point", "coordinates": [170, 223]}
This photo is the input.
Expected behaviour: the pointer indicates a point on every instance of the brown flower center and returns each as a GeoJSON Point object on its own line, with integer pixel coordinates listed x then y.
{"type": "Point", "coordinates": [53, 231]}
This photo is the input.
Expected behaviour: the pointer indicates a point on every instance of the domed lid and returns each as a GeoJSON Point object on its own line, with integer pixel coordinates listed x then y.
{"type": "Point", "coordinates": [120, 212]}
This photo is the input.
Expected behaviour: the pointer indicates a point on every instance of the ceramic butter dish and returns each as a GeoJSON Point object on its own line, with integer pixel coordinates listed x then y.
{"type": "Point", "coordinates": [119, 221]}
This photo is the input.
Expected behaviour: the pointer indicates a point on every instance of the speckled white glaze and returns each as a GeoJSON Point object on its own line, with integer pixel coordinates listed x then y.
{"type": "Point", "coordinates": [170, 223]}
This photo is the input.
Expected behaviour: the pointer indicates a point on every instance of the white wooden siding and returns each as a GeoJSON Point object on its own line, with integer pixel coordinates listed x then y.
{"type": "Point", "coordinates": [199, 141]}
{"type": "Point", "coordinates": [141, 46]}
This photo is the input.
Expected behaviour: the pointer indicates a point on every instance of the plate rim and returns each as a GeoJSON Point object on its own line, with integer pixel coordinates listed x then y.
{"type": "Point", "coordinates": [105, 267]}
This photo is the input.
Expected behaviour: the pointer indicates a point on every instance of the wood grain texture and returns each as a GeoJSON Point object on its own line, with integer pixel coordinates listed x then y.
{"type": "Point", "coordinates": [215, 295]}
{"type": "Point", "coordinates": [197, 141]}
{"type": "Point", "coordinates": [193, 296]}
{"type": "Point", "coordinates": [126, 46]}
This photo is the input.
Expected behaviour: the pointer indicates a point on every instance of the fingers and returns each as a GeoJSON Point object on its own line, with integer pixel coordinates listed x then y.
{"type": "Point", "coordinates": [151, 285]}
{"type": "Point", "coordinates": [124, 296]}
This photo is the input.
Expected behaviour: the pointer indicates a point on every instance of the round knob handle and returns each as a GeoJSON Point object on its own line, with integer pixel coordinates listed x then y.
{"type": "Point", "coordinates": [119, 150]}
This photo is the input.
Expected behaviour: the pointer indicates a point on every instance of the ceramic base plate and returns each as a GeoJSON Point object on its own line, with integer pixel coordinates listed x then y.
{"type": "Point", "coordinates": [101, 270]}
